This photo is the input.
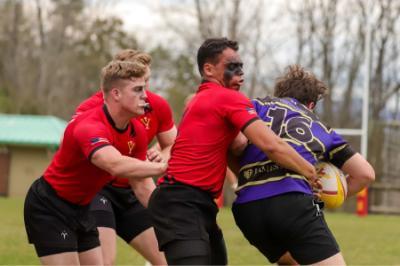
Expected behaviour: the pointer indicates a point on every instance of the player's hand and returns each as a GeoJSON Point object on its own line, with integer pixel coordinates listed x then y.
{"type": "Point", "coordinates": [317, 188]}
{"type": "Point", "coordinates": [164, 167]}
{"type": "Point", "coordinates": [311, 174]}
{"type": "Point", "coordinates": [153, 155]}
{"type": "Point", "coordinates": [321, 171]}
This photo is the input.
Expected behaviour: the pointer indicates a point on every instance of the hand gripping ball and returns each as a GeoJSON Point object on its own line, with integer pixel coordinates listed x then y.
{"type": "Point", "coordinates": [334, 185]}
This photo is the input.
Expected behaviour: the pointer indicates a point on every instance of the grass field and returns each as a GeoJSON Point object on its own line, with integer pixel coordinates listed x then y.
{"type": "Point", "coordinates": [373, 240]}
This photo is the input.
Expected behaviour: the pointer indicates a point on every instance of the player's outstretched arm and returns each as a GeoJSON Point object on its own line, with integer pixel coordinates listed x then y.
{"type": "Point", "coordinates": [111, 160]}
{"type": "Point", "coordinates": [360, 172]}
{"type": "Point", "coordinates": [278, 150]}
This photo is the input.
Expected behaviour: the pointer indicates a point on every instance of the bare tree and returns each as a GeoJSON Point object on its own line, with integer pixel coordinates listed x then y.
{"type": "Point", "coordinates": [385, 79]}
{"type": "Point", "coordinates": [233, 19]}
{"type": "Point", "coordinates": [316, 27]}
{"type": "Point", "coordinates": [385, 82]}
{"type": "Point", "coordinates": [53, 54]}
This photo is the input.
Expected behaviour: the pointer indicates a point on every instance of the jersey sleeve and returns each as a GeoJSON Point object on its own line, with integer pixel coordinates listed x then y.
{"type": "Point", "coordinates": [164, 114]}
{"type": "Point", "coordinates": [340, 151]}
{"type": "Point", "coordinates": [238, 109]}
{"type": "Point", "coordinates": [91, 138]}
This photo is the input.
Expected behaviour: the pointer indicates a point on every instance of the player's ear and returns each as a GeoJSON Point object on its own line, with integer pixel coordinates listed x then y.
{"type": "Point", "coordinates": [115, 93]}
{"type": "Point", "coordinates": [311, 105]}
{"type": "Point", "coordinates": [208, 69]}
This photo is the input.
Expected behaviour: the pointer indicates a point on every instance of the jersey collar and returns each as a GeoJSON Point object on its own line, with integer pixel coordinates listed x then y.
{"type": "Point", "coordinates": [111, 121]}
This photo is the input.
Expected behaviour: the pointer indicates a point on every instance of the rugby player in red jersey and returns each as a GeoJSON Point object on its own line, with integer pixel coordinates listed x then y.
{"type": "Point", "coordinates": [182, 206]}
{"type": "Point", "coordinates": [116, 208]}
{"type": "Point", "coordinates": [97, 145]}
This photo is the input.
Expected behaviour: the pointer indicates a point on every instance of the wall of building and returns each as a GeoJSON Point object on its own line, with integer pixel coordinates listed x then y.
{"type": "Point", "coordinates": [5, 159]}
{"type": "Point", "coordinates": [27, 164]}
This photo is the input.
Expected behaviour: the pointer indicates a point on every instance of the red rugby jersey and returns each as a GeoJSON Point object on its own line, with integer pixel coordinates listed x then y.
{"type": "Point", "coordinates": [71, 174]}
{"type": "Point", "coordinates": [156, 120]}
{"type": "Point", "coordinates": [211, 121]}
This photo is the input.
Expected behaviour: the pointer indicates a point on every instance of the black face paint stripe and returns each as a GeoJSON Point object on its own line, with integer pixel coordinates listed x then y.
{"type": "Point", "coordinates": [232, 69]}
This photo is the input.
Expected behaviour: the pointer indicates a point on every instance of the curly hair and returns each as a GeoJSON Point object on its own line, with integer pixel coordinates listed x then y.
{"type": "Point", "coordinates": [300, 84]}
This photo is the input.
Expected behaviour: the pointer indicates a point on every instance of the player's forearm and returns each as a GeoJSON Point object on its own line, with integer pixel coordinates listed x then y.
{"type": "Point", "coordinates": [361, 174]}
{"type": "Point", "coordinates": [166, 141]}
{"type": "Point", "coordinates": [166, 153]}
{"type": "Point", "coordinates": [142, 189]}
{"type": "Point", "coordinates": [285, 156]}
{"type": "Point", "coordinates": [133, 168]}
{"type": "Point", "coordinates": [278, 150]}
{"type": "Point", "coordinates": [354, 185]}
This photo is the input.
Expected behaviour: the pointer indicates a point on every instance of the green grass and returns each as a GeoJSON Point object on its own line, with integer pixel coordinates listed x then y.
{"type": "Point", "coordinates": [372, 240]}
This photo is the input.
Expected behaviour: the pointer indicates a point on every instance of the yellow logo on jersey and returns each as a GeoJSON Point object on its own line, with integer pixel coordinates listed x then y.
{"type": "Point", "coordinates": [248, 173]}
{"type": "Point", "coordinates": [131, 145]}
{"type": "Point", "coordinates": [146, 122]}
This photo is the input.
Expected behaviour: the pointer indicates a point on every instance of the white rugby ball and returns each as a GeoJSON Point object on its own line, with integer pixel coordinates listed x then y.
{"type": "Point", "coordinates": [334, 184]}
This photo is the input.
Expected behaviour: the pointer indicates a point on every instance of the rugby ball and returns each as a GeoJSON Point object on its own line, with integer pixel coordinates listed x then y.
{"type": "Point", "coordinates": [334, 184]}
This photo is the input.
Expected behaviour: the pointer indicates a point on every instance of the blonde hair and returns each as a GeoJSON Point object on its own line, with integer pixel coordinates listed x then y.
{"type": "Point", "coordinates": [133, 55]}
{"type": "Point", "coordinates": [117, 70]}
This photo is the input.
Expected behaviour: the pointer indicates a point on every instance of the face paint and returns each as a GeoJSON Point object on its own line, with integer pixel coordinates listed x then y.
{"type": "Point", "coordinates": [232, 69]}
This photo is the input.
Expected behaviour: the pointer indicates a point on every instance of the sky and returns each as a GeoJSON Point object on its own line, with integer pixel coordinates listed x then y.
{"type": "Point", "coordinates": [137, 14]}
{"type": "Point", "coordinates": [139, 17]}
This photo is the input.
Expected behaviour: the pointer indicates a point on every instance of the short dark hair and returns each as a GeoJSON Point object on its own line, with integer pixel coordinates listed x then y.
{"type": "Point", "coordinates": [211, 48]}
{"type": "Point", "coordinates": [300, 84]}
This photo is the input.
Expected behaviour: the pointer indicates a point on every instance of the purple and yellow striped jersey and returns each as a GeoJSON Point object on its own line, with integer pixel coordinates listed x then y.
{"type": "Point", "coordinates": [260, 177]}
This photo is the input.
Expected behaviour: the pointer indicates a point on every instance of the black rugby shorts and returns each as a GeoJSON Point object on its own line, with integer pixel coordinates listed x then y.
{"type": "Point", "coordinates": [291, 222]}
{"type": "Point", "coordinates": [182, 212]}
{"type": "Point", "coordinates": [118, 208]}
{"type": "Point", "coordinates": [54, 225]}
{"type": "Point", "coordinates": [187, 215]}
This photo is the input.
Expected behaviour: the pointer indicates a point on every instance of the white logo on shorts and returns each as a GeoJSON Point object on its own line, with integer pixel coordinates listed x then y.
{"type": "Point", "coordinates": [64, 234]}
{"type": "Point", "coordinates": [104, 200]}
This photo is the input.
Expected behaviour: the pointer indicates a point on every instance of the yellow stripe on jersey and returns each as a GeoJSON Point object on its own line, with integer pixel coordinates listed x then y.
{"type": "Point", "coordinates": [332, 152]}
{"type": "Point", "coordinates": [305, 146]}
{"type": "Point", "coordinates": [272, 179]}
{"type": "Point", "coordinates": [245, 167]}
{"type": "Point", "coordinates": [327, 130]}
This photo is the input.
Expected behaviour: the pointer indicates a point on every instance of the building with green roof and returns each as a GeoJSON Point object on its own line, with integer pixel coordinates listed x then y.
{"type": "Point", "coordinates": [27, 144]}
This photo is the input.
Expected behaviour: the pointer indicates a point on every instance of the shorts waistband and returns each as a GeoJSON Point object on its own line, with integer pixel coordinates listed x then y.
{"type": "Point", "coordinates": [48, 189]}
{"type": "Point", "coordinates": [169, 180]}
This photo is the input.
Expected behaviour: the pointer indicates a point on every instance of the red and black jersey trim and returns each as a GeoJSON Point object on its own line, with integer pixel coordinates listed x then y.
{"type": "Point", "coordinates": [248, 123]}
{"type": "Point", "coordinates": [96, 149]}
{"type": "Point", "coordinates": [111, 121]}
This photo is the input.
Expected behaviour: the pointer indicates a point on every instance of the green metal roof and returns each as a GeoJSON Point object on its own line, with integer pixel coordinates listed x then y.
{"type": "Point", "coordinates": [31, 130]}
